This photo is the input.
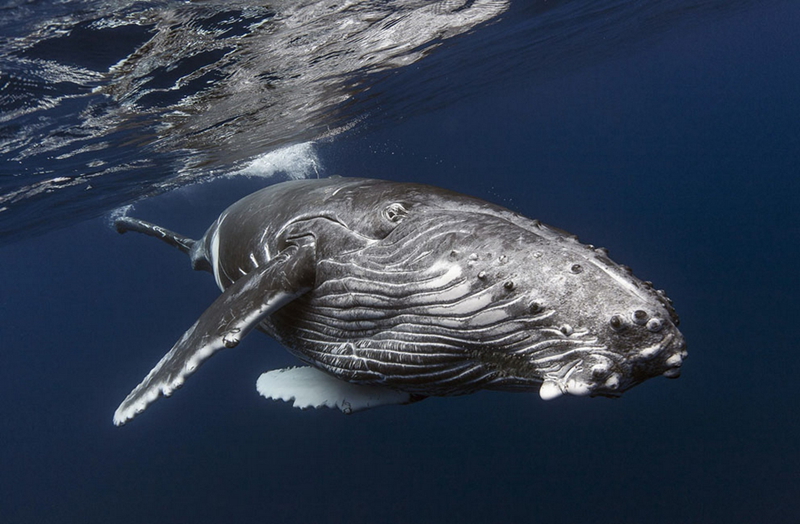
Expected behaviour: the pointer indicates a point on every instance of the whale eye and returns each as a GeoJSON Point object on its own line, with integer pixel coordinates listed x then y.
{"type": "Point", "coordinates": [395, 212]}
{"type": "Point", "coordinates": [616, 323]}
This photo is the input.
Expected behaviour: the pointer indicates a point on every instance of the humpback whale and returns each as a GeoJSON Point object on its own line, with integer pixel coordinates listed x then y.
{"type": "Point", "coordinates": [389, 293]}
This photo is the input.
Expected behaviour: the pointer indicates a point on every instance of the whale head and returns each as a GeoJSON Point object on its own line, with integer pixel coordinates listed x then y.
{"type": "Point", "coordinates": [534, 306]}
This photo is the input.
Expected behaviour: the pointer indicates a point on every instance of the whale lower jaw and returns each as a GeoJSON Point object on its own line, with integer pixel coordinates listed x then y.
{"type": "Point", "coordinates": [600, 375]}
{"type": "Point", "coordinates": [551, 389]}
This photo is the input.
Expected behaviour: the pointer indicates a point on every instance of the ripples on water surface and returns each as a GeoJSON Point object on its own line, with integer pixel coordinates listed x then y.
{"type": "Point", "coordinates": [105, 102]}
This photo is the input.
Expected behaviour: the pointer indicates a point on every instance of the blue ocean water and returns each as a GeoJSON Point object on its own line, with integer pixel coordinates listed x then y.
{"type": "Point", "coordinates": [668, 132]}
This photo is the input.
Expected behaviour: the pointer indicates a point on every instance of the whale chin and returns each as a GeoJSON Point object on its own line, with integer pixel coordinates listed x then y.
{"type": "Point", "coordinates": [610, 373]}
{"type": "Point", "coordinates": [551, 389]}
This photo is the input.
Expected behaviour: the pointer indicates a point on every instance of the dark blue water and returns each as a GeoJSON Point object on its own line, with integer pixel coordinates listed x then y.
{"type": "Point", "coordinates": [670, 136]}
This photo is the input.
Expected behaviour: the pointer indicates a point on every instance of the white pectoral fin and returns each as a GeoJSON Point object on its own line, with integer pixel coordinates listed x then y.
{"type": "Point", "coordinates": [311, 388]}
{"type": "Point", "coordinates": [230, 318]}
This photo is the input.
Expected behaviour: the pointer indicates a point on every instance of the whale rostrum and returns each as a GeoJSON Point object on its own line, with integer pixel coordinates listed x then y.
{"type": "Point", "coordinates": [389, 293]}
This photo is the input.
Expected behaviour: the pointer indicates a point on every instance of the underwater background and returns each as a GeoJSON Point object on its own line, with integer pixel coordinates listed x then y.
{"type": "Point", "coordinates": [667, 132]}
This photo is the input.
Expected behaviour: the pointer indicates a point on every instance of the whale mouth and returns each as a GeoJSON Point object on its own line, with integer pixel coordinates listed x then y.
{"type": "Point", "coordinates": [609, 374]}
{"type": "Point", "coordinates": [664, 358]}
{"type": "Point", "coordinates": [651, 352]}
{"type": "Point", "coordinates": [673, 359]}
{"type": "Point", "coordinates": [580, 377]}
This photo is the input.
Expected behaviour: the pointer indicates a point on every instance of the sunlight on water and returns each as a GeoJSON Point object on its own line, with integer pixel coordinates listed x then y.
{"type": "Point", "coordinates": [106, 102]}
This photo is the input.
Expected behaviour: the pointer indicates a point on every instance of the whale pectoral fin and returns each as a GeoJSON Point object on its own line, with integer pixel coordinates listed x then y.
{"type": "Point", "coordinates": [311, 388]}
{"type": "Point", "coordinates": [231, 317]}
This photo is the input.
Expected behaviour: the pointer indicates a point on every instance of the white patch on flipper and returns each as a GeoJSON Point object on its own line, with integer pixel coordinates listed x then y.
{"type": "Point", "coordinates": [311, 388]}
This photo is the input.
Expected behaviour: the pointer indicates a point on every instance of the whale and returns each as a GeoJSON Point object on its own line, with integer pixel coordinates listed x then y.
{"type": "Point", "coordinates": [390, 293]}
